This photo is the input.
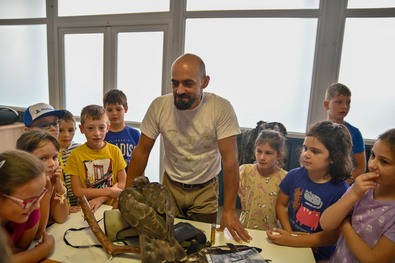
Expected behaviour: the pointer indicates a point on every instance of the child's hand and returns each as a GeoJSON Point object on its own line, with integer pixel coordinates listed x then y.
{"type": "Point", "coordinates": [363, 183]}
{"type": "Point", "coordinates": [95, 203]}
{"type": "Point", "coordinates": [49, 241]}
{"type": "Point", "coordinates": [56, 175]}
{"type": "Point", "coordinates": [48, 184]}
{"type": "Point", "coordinates": [115, 191]}
{"type": "Point", "coordinates": [56, 179]}
{"type": "Point", "coordinates": [115, 205]}
{"type": "Point", "coordinates": [74, 209]}
{"type": "Point", "coordinates": [278, 236]}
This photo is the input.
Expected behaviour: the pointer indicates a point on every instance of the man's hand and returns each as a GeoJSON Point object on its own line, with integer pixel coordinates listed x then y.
{"type": "Point", "coordinates": [231, 221]}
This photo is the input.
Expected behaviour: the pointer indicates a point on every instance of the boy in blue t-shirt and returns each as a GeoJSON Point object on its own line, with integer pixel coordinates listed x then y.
{"type": "Point", "coordinates": [337, 104]}
{"type": "Point", "coordinates": [124, 136]}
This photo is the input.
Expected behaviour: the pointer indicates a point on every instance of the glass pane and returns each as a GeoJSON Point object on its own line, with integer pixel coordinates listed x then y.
{"type": "Point", "coordinates": [263, 66]}
{"type": "Point", "coordinates": [99, 7]}
{"type": "Point", "coordinates": [83, 70]}
{"type": "Point", "coordinates": [370, 3]}
{"type": "Point", "coordinates": [10, 9]}
{"type": "Point", "coordinates": [139, 68]}
{"type": "Point", "coordinates": [23, 65]}
{"type": "Point", "coordinates": [78, 136]}
{"type": "Point", "coordinates": [367, 68]}
{"type": "Point", "coordinates": [195, 5]}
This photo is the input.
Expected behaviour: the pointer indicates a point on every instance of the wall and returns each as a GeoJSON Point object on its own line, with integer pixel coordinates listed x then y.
{"type": "Point", "coordinates": [9, 134]}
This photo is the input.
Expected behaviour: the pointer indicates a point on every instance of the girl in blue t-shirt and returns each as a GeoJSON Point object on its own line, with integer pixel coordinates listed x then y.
{"type": "Point", "coordinates": [308, 190]}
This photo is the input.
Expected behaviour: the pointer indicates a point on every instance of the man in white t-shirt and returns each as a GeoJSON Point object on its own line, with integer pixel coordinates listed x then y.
{"type": "Point", "coordinates": [199, 131]}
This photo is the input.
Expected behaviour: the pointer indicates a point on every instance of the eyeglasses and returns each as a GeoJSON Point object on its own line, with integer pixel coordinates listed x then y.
{"type": "Point", "coordinates": [46, 125]}
{"type": "Point", "coordinates": [27, 203]}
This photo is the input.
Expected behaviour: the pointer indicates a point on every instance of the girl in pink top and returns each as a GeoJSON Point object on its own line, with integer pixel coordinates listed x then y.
{"type": "Point", "coordinates": [365, 215]}
{"type": "Point", "coordinates": [22, 186]}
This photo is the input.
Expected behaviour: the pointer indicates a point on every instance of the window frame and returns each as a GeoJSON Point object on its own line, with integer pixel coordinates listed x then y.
{"type": "Point", "coordinates": [331, 22]}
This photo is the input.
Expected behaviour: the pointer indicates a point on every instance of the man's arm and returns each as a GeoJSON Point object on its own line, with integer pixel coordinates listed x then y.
{"type": "Point", "coordinates": [230, 166]}
{"type": "Point", "coordinates": [139, 159]}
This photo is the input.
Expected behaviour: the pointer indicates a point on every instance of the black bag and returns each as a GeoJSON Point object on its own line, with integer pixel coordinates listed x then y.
{"type": "Point", "coordinates": [192, 239]}
{"type": "Point", "coordinates": [8, 116]}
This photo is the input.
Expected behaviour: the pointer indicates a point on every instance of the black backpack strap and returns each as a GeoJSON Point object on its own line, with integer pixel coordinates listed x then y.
{"type": "Point", "coordinates": [75, 230]}
{"type": "Point", "coordinates": [84, 246]}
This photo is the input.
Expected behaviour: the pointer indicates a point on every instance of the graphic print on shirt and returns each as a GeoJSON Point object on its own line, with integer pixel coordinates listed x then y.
{"type": "Point", "coordinates": [297, 198]}
{"type": "Point", "coordinates": [309, 212]}
{"type": "Point", "coordinates": [125, 146]}
{"type": "Point", "coordinates": [98, 173]}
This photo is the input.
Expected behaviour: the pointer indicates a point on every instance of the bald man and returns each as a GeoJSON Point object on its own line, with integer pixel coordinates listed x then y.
{"type": "Point", "coordinates": [199, 131]}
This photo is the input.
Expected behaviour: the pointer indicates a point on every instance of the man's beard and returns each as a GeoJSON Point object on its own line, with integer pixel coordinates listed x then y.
{"type": "Point", "coordinates": [183, 105]}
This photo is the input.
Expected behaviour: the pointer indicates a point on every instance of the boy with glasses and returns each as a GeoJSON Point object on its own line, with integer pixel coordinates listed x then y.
{"type": "Point", "coordinates": [42, 116]}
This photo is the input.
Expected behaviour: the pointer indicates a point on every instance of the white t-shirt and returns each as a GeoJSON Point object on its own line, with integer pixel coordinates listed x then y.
{"type": "Point", "coordinates": [191, 137]}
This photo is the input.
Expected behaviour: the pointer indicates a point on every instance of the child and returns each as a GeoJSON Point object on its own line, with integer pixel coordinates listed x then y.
{"type": "Point", "coordinates": [67, 127]}
{"type": "Point", "coordinates": [120, 134]}
{"type": "Point", "coordinates": [5, 248]}
{"type": "Point", "coordinates": [308, 190]}
{"type": "Point", "coordinates": [369, 235]}
{"type": "Point", "coordinates": [44, 117]}
{"type": "Point", "coordinates": [53, 206]}
{"type": "Point", "coordinates": [259, 182]}
{"type": "Point", "coordinates": [97, 168]}
{"type": "Point", "coordinates": [337, 104]}
{"type": "Point", "coordinates": [22, 185]}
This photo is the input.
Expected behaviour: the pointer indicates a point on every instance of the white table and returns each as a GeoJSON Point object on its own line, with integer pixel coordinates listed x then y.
{"type": "Point", "coordinates": [67, 254]}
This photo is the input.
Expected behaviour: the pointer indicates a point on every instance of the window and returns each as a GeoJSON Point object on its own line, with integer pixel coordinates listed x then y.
{"type": "Point", "coordinates": [99, 7]}
{"type": "Point", "coordinates": [23, 65]}
{"type": "Point", "coordinates": [263, 66]}
{"type": "Point", "coordinates": [367, 68]}
{"type": "Point", "coordinates": [10, 9]}
{"type": "Point", "coordinates": [193, 5]}
{"type": "Point", "coordinates": [139, 70]}
{"type": "Point", "coordinates": [139, 73]}
{"type": "Point", "coordinates": [83, 70]}
{"type": "Point", "coordinates": [270, 58]}
{"type": "Point", "coordinates": [370, 3]}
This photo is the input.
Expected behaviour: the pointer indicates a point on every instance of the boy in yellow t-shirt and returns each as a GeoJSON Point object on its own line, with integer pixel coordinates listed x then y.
{"type": "Point", "coordinates": [96, 168]}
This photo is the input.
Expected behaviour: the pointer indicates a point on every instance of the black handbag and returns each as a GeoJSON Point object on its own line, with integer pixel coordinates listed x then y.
{"type": "Point", "coordinates": [192, 239]}
{"type": "Point", "coordinates": [8, 116]}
